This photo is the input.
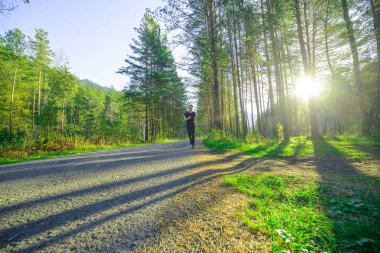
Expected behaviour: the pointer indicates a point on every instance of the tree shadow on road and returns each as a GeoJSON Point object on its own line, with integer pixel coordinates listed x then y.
{"type": "Point", "coordinates": [166, 190]}
{"type": "Point", "coordinates": [14, 172]}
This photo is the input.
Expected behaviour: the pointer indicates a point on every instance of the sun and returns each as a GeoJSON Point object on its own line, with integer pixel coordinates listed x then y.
{"type": "Point", "coordinates": [307, 88]}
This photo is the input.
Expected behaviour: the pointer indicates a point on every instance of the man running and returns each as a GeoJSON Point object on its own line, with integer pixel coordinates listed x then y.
{"type": "Point", "coordinates": [190, 118]}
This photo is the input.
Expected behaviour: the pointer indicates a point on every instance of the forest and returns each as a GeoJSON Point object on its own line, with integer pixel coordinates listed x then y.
{"type": "Point", "coordinates": [282, 68]}
{"type": "Point", "coordinates": [271, 69]}
{"type": "Point", "coordinates": [44, 106]}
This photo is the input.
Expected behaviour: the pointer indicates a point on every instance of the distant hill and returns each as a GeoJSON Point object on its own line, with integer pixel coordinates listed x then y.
{"type": "Point", "coordinates": [89, 83]}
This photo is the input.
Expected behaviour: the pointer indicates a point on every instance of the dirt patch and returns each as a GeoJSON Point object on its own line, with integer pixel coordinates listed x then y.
{"type": "Point", "coordinates": [210, 224]}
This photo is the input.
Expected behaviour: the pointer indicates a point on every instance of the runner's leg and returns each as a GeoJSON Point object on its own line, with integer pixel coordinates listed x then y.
{"type": "Point", "coordinates": [189, 133]}
{"type": "Point", "coordinates": [192, 139]}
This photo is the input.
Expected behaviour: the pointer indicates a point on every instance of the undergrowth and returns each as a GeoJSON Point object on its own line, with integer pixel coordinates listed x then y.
{"type": "Point", "coordinates": [49, 149]}
{"type": "Point", "coordinates": [221, 141]}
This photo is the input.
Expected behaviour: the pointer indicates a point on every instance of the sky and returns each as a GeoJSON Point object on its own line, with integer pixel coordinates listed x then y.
{"type": "Point", "coordinates": [93, 34]}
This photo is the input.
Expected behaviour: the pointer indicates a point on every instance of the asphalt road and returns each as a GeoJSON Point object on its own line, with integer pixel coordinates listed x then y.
{"type": "Point", "coordinates": [96, 202]}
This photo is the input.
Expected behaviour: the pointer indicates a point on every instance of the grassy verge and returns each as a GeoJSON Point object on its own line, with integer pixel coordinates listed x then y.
{"type": "Point", "coordinates": [346, 145]}
{"type": "Point", "coordinates": [309, 216]}
{"type": "Point", "coordinates": [324, 203]}
{"type": "Point", "coordinates": [22, 154]}
{"type": "Point", "coordinates": [285, 209]}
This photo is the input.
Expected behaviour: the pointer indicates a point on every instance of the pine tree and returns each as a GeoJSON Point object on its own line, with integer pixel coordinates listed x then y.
{"type": "Point", "coordinates": [153, 77]}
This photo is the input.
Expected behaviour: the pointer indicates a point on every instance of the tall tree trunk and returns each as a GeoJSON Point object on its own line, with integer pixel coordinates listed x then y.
{"type": "Point", "coordinates": [300, 36]}
{"type": "Point", "coordinates": [11, 104]}
{"type": "Point", "coordinates": [307, 33]}
{"type": "Point", "coordinates": [146, 128]}
{"type": "Point", "coordinates": [251, 93]}
{"type": "Point", "coordinates": [209, 106]}
{"type": "Point", "coordinates": [238, 77]}
{"type": "Point", "coordinates": [284, 78]}
{"type": "Point", "coordinates": [264, 113]}
{"type": "Point", "coordinates": [229, 109]}
{"type": "Point", "coordinates": [63, 115]}
{"type": "Point", "coordinates": [257, 101]}
{"type": "Point", "coordinates": [272, 108]}
{"type": "Point", "coordinates": [34, 106]}
{"type": "Point", "coordinates": [375, 108]}
{"type": "Point", "coordinates": [292, 106]}
{"type": "Point", "coordinates": [358, 78]}
{"type": "Point", "coordinates": [39, 92]}
{"type": "Point", "coordinates": [232, 57]}
{"type": "Point", "coordinates": [280, 90]}
{"type": "Point", "coordinates": [214, 60]}
{"type": "Point", "coordinates": [326, 40]}
{"type": "Point", "coordinates": [306, 65]}
{"type": "Point", "coordinates": [313, 38]}
{"type": "Point", "coordinates": [222, 109]}
{"type": "Point", "coordinates": [335, 119]}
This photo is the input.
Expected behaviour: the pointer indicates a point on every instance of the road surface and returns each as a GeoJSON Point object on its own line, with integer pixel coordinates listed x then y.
{"type": "Point", "coordinates": [101, 201]}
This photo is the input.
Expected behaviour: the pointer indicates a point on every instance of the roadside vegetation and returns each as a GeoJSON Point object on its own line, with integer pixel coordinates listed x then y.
{"type": "Point", "coordinates": [303, 215]}
{"type": "Point", "coordinates": [321, 202]}
{"type": "Point", "coordinates": [56, 148]}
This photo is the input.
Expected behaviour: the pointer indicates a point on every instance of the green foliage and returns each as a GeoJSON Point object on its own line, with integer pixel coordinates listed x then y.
{"type": "Point", "coordinates": [256, 60]}
{"type": "Point", "coordinates": [356, 216]}
{"type": "Point", "coordinates": [221, 141]}
{"type": "Point", "coordinates": [43, 104]}
{"type": "Point", "coordinates": [61, 147]}
{"type": "Point", "coordinates": [285, 209]}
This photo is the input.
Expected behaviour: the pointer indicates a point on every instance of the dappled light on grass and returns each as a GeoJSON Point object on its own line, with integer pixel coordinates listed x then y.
{"type": "Point", "coordinates": [341, 145]}
{"type": "Point", "coordinates": [271, 148]}
{"type": "Point", "coordinates": [319, 208]}
{"type": "Point", "coordinates": [284, 208]}
{"type": "Point", "coordinates": [331, 205]}
{"type": "Point", "coordinates": [336, 147]}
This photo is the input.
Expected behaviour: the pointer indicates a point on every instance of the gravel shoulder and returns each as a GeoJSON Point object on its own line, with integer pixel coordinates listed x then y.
{"type": "Point", "coordinates": [115, 200]}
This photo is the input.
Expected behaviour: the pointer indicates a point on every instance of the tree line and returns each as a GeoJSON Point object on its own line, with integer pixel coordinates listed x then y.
{"type": "Point", "coordinates": [42, 101]}
{"type": "Point", "coordinates": [248, 55]}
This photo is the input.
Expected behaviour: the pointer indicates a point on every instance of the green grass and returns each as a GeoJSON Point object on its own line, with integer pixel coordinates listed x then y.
{"type": "Point", "coordinates": [20, 154]}
{"type": "Point", "coordinates": [339, 212]}
{"type": "Point", "coordinates": [286, 210]}
{"type": "Point", "coordinates": [273, 148]}
{"type": "Point", "coordinates": [342, 145]}
{"type": "Point", "coordinates": [355, 213]}
{"type": "Point", "coordinates": [307, 216]}
{"type": "Point", "coordinates": [220, 141]}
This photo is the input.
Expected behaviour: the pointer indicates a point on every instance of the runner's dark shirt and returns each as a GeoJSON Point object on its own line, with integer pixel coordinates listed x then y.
{"type": "Point", "coordinates": [190, 122]}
